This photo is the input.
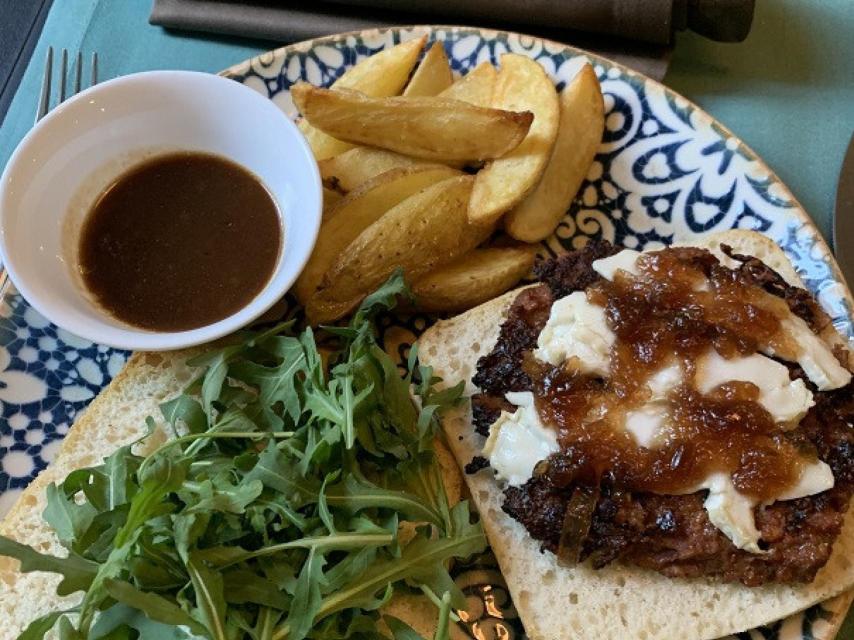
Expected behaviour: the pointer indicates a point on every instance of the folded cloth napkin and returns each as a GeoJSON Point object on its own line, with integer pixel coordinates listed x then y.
{"type": "Point", "coordinates": [639, 33]}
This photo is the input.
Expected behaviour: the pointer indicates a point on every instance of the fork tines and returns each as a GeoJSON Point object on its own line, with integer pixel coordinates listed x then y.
{"type": "Point", "coordinates": [44, 99]}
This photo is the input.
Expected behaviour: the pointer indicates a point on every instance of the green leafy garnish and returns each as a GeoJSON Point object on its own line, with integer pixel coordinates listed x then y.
{"type": "Point", "coordinates": [275, 511]}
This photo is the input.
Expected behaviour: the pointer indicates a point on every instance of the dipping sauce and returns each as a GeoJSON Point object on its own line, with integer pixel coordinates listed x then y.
{"type": "Point", "coordinates": [179, 242]}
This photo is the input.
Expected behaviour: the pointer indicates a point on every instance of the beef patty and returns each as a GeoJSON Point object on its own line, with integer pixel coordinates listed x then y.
{"type": "Point", "coordinates": [671, 534]}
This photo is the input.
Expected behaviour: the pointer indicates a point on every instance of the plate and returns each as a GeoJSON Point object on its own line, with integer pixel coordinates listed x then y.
{"type": "Point", "coordinates": [666, 170]}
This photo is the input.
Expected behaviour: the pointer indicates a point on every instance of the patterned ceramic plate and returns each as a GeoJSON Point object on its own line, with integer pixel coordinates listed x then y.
{"type": "Point", "coordinates": [665, 170]}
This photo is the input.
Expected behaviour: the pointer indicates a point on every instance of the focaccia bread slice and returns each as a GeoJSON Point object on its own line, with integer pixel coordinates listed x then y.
{"type": "Point", "coordinates": [115, 418]}
{"type": "Point", "coordinates": [618, 602]}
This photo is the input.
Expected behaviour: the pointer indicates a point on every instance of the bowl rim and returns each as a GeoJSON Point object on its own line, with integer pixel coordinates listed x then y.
{"type": "Point", "coordinates": [136, 339]}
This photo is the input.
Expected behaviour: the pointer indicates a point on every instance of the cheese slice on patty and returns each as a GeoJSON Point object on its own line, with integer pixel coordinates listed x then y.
{"type": "Point", "coordinates": [785, 399]}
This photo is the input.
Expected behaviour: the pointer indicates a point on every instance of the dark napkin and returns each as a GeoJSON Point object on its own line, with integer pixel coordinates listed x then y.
{"type": "Point", "coordinates": [20, 27]}
{"type": "Point", "coordinates": [639, 33]}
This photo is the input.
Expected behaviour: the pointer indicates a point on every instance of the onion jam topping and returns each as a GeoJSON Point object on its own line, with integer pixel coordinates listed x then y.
{"type": "Point", "coordinates": [681, 303]}
{"type": "Point", "coordinates": [596, 499]}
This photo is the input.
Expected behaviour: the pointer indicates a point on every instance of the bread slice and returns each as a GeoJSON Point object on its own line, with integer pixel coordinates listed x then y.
{"type": "Point", "coordinates": [615, 603]}
{"type": "Point", "coordinates": [115, 418]}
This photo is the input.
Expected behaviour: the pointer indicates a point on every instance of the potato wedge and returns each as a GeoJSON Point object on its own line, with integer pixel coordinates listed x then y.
{"type": "Point", "coordinates": [322, 145]}
{"type": "Point", "coordinates": [352, 168]}
{"type": "Point", "coordinates": [582, 121]}
{"type": "Point", "coordinates": [430, 128]}
{"type": "Point", "coordinates": [473, 278]}
{"type": "Point", "coordinates": [475, 87]}
{"type": "Point", "coordinates": [432, 75]}
{"type": "Point", "coordinates": [382, 74]}
{"type": "Point", "coordinates": [522, 85]}
{"type": "Point", "coordinates": [385, 73]}
{"type": "Point", "coordinates": [356, 212]}
{"type": "Point", "coordinates": [330, 198]}
{"type": "Point", "coordinates": [423, 232]}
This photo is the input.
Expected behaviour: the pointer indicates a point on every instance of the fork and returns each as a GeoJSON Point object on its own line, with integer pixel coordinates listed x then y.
{"type": "Point", "coordinates": [45, 99]}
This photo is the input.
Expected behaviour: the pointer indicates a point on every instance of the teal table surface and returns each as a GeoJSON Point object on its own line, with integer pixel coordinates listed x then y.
{"type": "Point", "coordinates": [787, 91]}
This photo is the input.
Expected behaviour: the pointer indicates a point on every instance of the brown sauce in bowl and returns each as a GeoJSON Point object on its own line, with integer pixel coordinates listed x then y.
{"type": "Point", "coordinates": [180, 241]}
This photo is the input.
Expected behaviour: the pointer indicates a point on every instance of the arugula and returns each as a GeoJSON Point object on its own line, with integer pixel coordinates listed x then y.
{"type": "Point", "coordinates": [274, 511]}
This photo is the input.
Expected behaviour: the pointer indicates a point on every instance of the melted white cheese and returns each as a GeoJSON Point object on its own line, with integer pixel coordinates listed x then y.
{"type": "Point", "coordinates": [647, 423]}
{"type": "Point", "coordinates": [815, 477]}
{"type": "Point", "coordinates": [663, 381]}
{"type": "Point", "coordinates": [626, 260]}
{"type": "Point", "coordinates": [785, 399]}
{"type": "Point", "coordinates": [518, 441]}
{"type": "Point", "coordinates": [731, 512]}
{"type": "Point", "coordinates": [576, 329]}
{"type": "Point", "coordinates": [815, 357]}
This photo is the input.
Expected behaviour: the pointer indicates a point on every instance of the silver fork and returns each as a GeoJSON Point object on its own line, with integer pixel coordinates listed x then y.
{"type": "Point", "coordinates": [44, 99]}
{"type": "Point", "coordinates": [45, 102]}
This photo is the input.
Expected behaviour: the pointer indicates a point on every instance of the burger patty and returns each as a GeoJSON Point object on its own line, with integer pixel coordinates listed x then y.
{"type": "Point", "coordinates": [500, 370]}
{"type": "Point", "coordinates": [667, 533]}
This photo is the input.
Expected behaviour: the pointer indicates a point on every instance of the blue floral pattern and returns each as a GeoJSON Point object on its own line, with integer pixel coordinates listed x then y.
{"type": "Point", "coordinates": [665, 171]}
{"type": "Point", "coordinates": [47, 376]}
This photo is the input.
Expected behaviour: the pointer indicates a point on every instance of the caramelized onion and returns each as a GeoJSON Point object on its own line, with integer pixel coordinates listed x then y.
{"type": "Point", "coordinates": [576, 523]}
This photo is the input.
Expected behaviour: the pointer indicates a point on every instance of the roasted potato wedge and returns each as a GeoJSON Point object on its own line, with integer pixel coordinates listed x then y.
{"type": "Point", "coordinates": [473, 278]}
{"type": "Point", "coordinates": [356, 212]}
{"type": "Point", "coordinates": [429, 128]}
{"type": "Point", "coordinates": [382, 74]}
{"type": "Point", "coordinates": [582, 121]}
{"type": "Point", "coordinates": [352, 168]}
{"type": "Point", "coordinates": [423, 232]}
{"type": "Point", "coordinates": [330, 198]}
{"type": "Point", "coordinates": [432, 75]}
{"type": "Point", "coordinates": [475, 87]}
{"type": "Point", "coordinates": [522, 85]}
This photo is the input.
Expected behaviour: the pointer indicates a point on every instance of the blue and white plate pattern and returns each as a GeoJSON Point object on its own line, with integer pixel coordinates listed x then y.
{"type": "Point", "coordinates": [665, 171]}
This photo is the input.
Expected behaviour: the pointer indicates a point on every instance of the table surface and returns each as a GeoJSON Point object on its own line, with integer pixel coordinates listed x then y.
{"type": "Point", "coordinates": [787, 91]}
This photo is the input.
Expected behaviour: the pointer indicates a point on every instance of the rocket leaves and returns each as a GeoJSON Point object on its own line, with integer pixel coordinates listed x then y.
{"type": "Point", "coordinates": [273, 512]}
{"type": "Point", "coordinates": [78, 573]}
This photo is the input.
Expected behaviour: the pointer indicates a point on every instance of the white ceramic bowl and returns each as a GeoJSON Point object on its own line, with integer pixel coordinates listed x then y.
{"type": "Point", "coordinates": [73, 154]}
